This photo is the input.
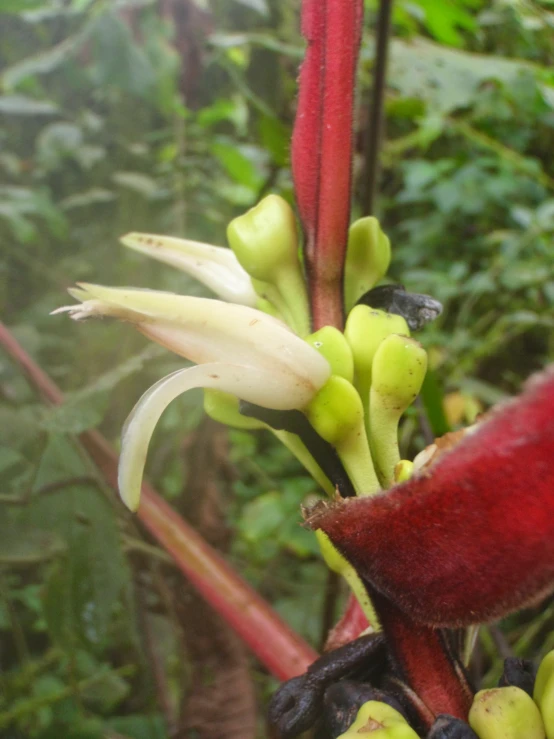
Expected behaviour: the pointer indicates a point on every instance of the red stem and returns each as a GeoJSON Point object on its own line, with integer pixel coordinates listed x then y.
{"type": "Point", "coordinates": [321, 149]}
{"type": "Point", "coordinates": [282, 651]}
{"type": "Point", "coordinates": [422, 656]}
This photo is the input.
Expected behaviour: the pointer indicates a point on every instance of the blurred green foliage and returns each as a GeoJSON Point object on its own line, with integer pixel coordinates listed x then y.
{"type": "Point", "coordinates": [172, 118]}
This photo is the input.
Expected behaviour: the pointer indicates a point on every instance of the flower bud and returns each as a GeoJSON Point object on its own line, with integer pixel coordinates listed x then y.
{"type": "Point", "coordinates": [215, 266]}
{"type": "Point", "coordinates": [265, 238]}
{"type": "Point", "coordinates": [367, 259]}
{"type": "Point", "coordinates": [403, 471]}
{"type": "Point", "coordinates": [365, 329]}
{"type": "Point", "coordinates": [265, 242]}
{"type": "Point", "coordinates": [336, 413]}
{"type": "Point", "coordinates": [398, 371]}
{"type": "Point", "coordinates": [505, 713]}
{"type": "Point", "coordinates": [343, 700]}
{"type": "Point", "coordinates": [331, 343]}
{"type": "Point", "coordinates": [544, 693]}
{"type": "Point", "coordinates": [376, 720]}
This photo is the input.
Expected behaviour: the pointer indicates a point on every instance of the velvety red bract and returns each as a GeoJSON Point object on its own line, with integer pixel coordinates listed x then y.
{"type": "Point", "coordinates": [321, 149]}
{"type": "Point", "coordinates": [473, 538]}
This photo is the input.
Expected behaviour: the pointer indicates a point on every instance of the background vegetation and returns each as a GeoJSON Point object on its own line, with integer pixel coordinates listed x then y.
{"type": "Point", "coordinates": [172, 116]}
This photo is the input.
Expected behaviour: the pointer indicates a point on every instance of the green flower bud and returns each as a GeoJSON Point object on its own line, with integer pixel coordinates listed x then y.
{"type": "Point", "coordinates": [544, 693]}
{"type": "Point", "coordinates": [265, 238]}
{"type": "Point", "coordinates": [336, 413]}
{"type": "Point", "coordinates": [337, 563]}
{"type": "Point", "coordinates": [367, 259]}
{"type": "Point", "coordinates": [331, 343]}
{"type": "Point", "coordinates": [265, 242]}
{"type": "Point", "coordinates": [336, 410]}
{"type": "Point", "coordinates": [365, 329]}
{"type": "Point", "coordinates": [398, 371]}
{"type": "Point", "coordinates": [379, 721]}
{"type": "Point", "coordinates": [403, 471]}
{"type": "Point", "coordinates": [505, 713]}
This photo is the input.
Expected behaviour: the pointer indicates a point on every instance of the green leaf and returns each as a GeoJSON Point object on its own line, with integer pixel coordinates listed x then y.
{"type": "Point", "coordinates": [265, 40]}
{"type": "Point", "coordinates": [105, 693]}
{"type": "Point", "coordinates": [432, 398]}
{"type": "Point", "coordinates": [20, 6]}
{"type": "Point", "coordinates": [57, 605]}
{"type": "Point", "coordinates": [21, 545]}
{"type": "Point", "coordinates": [85, 408]}
{"type": "Point", "coordinates": [275, 137]}
{"type": "Point", "coordinates": [139, 727]}
{"type": "Point", "coordinates": [23, 105]}
{"type": "Point", "coordinates": [239, 163]}
{"type": "Point", "coordinates": [137, 182]}
{"type": "Point", "coordinates": [41, 63]}
{"type": "Point", "coordinates": [443, 18]}
{"type": "Point", "coordinates": [94, 196]}
{"type": "Point", "coordinates": [447, 79]}
{"type": "Point", "coordinates": [119, 60]}
{"type": "Point", "coordinates": [260, 6]}
{"type": "Point", "coordinates": [94, 573]}
{"type": "Point", "coordinates": [263, 517]}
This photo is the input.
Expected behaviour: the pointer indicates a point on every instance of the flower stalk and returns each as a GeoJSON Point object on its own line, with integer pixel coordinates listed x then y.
{"type": "Point", "coordinates": [321, 150]}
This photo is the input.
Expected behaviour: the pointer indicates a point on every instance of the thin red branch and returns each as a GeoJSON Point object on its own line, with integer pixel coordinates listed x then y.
{"type": "Point", "coordinates": [277, 647]}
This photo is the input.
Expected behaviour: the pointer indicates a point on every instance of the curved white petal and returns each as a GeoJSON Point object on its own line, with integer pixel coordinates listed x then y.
{"type": "Point", "coordinates": [269, 389]}
{"type": "Point", "coordinates": [205, 330]}
{"type": "Point", "coordinates": [214, 266]}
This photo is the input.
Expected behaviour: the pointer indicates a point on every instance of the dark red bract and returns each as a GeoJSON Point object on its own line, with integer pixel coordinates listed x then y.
{"type": "Point", "coordinates": [468, 541]}
{"type": "Point", "coordinates": [473, 538]}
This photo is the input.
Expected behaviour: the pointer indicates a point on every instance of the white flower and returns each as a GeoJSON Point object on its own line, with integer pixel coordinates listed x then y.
{"type": "Point", "coordinates": [239, 349]}
{"type": "Point", "coordinates": [214, 266]}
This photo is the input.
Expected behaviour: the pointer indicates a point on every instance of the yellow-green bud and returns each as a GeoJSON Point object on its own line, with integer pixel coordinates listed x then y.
{"type": "Point", "coordinates": [336, 410]}
{"type": "Point", "coordinates": [265, 242]}
{"type": "Point", "coordinates": [398, 371]}
{"type": "Point", "coordinates": [331, 343]}
{"type": "Point", "coordinates": [544, 693]}
{"type": "Point", "coordinates": [403, 471]}
{"type": "Point", "coordinates": [365, 329]}
{"type": "Point", "coordinates": [505, 713]}
{"type": "Point", "coordinates": [224, 407]}
{"type": "Point", "coordinates": [367, 259]}
{"type": "Point", "coordinates": [378, 720]}
{"type": "Point", "coordinates": [336, 413]}
{"type": "Point", "coordinates": [265, 238]}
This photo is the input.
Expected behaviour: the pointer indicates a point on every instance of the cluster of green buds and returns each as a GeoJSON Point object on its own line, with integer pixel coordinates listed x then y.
{"type": "Point", "coordinates": [376, 368]}
{"type": "Point", "coordinates": [508, 712]}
